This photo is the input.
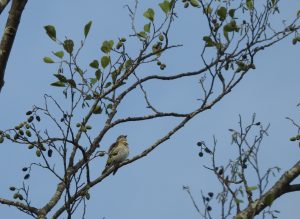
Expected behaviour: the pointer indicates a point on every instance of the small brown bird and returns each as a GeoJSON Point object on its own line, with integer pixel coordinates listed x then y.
{"type": "Point", "coordinates": [117, 153]}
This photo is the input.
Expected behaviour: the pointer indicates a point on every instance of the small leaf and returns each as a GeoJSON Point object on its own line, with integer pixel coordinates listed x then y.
{"type": "Point", "coordinates": [165, 6]}
{"type": "Point", "coordinates": [105, 61]}
{"type": "Point", "coordinates": [250, 4]}
{"type": "Point", "coordinates": [68, 46]}
{"type": "Point", "coordinates": [97, 110]}
{"type": "Point", "coordinates": [195, 3]}
{"type": "Point", "coordinates": [38, 152]}
{"type": "Point", "coordinates": [149, 14]}
{"type": "Point", "coordinates": [51, 32]}
{"type": "Point", "coordinates": [142, 34]}
{"type": "Point", "coordinates": [208, 41]}
{"type": "Point", "coordinates": [222, 12]}
{"type": "Point", "coordinates": [107, 45]}
{"type": "Point", "coordinates": [48, 60]}
{"type": "Point", "coordinates": [58, 84]}
{"type": "Point", "coordinates": [72, 83]}
{"type": "Point", "coordinates": [238, 201]}
{"type": "Point", "coordinates": [128, 63]}
{"type": "Point", "coordinates": [251, 188]}
{"type": "Point", "coordinates": [60, 77]}
{"type": "Point", "coordinates": [27, 176]}
{"type": "Point", "coordinates": [98, 74]}
{"type": "Point", "coordinates": [107, 84]}
{"type": "Point", "coordinates": [94, 81]}
{"type": "Point", "coordinates": [231, 13]}
{"type": "Point", "coordinates": [147, 27]}
{"type": "Point", "coordinates": [94, 64]}
{"type": "Point", "coordinates": [59, 54]}
{"type": "Point", "coordinates": [87, 28]}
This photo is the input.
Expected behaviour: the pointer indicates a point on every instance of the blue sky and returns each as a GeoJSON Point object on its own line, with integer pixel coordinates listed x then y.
{"type": "Point", "coordinates": [152, 186]}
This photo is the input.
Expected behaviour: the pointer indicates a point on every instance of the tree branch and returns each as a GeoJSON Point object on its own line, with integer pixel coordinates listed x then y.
{"type": "Point", "coordinates": [282, 186]}
{"type": "Point", "coordinates": [19, 205]}
{"type": "Point", "coordinates": [9, 34]}
{"type": "Point", "coordinates": [3, 4]}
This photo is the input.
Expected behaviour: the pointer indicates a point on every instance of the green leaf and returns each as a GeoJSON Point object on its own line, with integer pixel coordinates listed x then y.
{"type": "Point", "coordinates": [149, 14]}
{"type": "Point", "coordinates": [231, 13]}
{"type": "Point", "coordinates": [298, 13]}
{"type": "Point", "coordinates": [97, 110]}
{"type": "Point", "coordinates": [72, 83]}
{"type": "Point", "coordinates": [98, 74]}
{"type": "Point", "coordinates": [59, 54]}
{"type": "Point", "coordinates": [94, 64]}
{"type": "Point", "coordinates": [147, 27]}
{"type": "Point", "coordinates": [105, 61]}
{"type": "Point", "coordinates": [250, 4]}
{"type": "Point", "coordinates": [238, 201]}
{"type": "Point", "coordinates": [222, 12]}
{"type": "Point", "coordinates": [48, 60]}
{"type": "Point", "coordinates": [107, 45]}
{"type": "Point", "coordinates": [195, 3]}
{"type": "Point", "coordinates": [208, 41]}
{"type": "Point", "coordinates": [68, 46]}
{"type": "Point", "coordinates": [87, 28]}
{"type": "Point", "coordinates": [93, 81]}
{"type": "Point", "coordinates": [142, 34]}
{"type": "Point", "coordinates": [107, 84]}
{"type": "Point", "coordinates": [165, 6]}
{"type": "Point", "coordinates": [51, 32]}
{"type": "Point", "coordinates": [58, 84]}
{"type": "Point", "coordinates": [61, 78]}
{"type": "Point", "coordinates": [128, 63]}
{"type": "Point", "coordinates": [79, 70]}
{"type": "Point", "coordinates": [251, 188]}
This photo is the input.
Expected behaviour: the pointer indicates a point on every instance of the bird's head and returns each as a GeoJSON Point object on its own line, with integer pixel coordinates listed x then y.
{"type": "Point", "coordinates": [122, 138]}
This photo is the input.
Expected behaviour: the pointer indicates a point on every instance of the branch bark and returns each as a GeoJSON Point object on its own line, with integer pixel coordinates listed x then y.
{"type": "Point", "coordinates": [9, 34]}
{"type": "Point", "coordinates": [281, 187]}
{"type": "Point", "coordinates": [19, 205]}
{"type": "Point", "coordinates": [3, 4]}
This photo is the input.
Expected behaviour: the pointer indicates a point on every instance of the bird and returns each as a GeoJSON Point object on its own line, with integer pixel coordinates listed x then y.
{"type": "Point", "coordinates": [117, 153]}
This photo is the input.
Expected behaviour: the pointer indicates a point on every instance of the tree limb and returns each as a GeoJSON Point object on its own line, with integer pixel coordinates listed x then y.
{"type": "Point", "coordinates": [281, 187]}
{"type": "Point", "coordinates": [19, 205]}
{"type": "Point", "coordinates": [9, 34]}
{"type": "Point", "coordinates": [3, 4]}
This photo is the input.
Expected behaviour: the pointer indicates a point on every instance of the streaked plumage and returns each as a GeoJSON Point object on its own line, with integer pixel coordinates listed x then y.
{"type": "Point", "coordinates": [117, 153]}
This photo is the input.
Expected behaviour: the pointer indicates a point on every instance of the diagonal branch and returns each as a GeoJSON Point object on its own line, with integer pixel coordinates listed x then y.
{"type": "Point", "coordinates": [281, 187]}
{"type": "Point", "coordinates": [3, 4]}
{"type": "Point", "coordinates": [9, 34]}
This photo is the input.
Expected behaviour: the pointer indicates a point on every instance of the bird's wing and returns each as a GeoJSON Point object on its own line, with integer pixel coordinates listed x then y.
{"type": "Point", "coordinates": [113, 151]}
{"type": "Point", "coordinates": [112, 147]}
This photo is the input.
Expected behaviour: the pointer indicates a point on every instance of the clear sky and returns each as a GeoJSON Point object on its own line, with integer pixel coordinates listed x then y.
{"type": "Point", "coordinates": [151, 187]}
